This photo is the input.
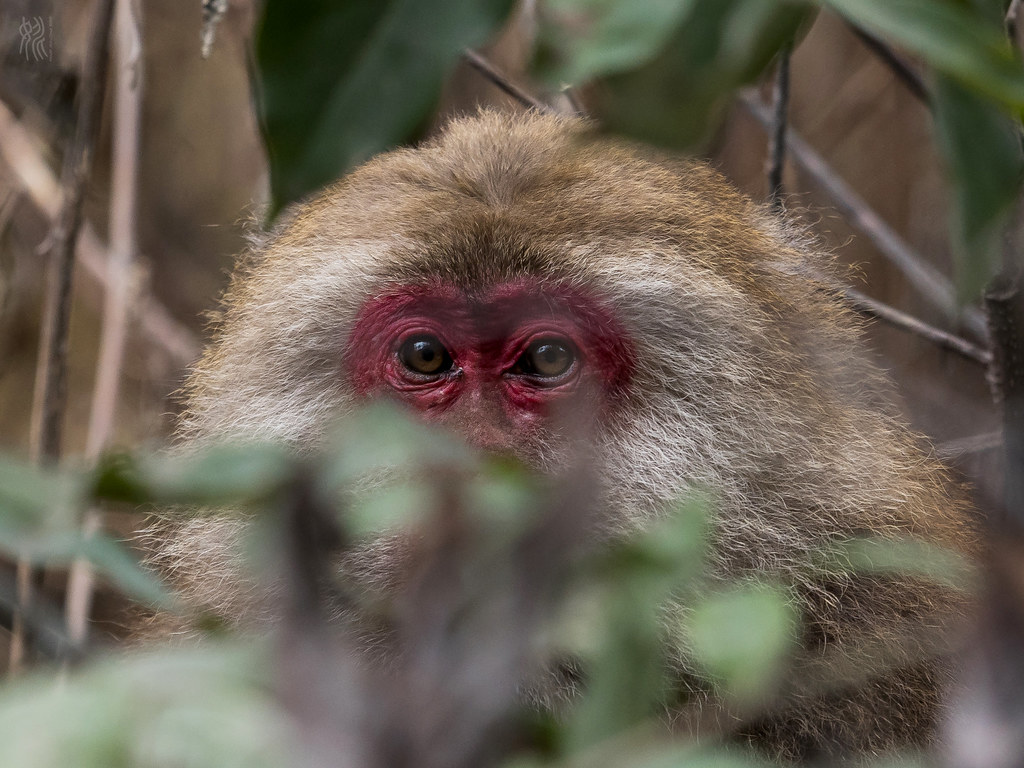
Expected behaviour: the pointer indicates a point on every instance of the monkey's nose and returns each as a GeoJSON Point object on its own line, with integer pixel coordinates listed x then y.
{"type": "Point", "coordinates": [489, 437]}
{"type": "Point", "coordinates": [482, 423]}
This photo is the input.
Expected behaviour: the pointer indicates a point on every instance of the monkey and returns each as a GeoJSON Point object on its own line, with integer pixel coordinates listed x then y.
{"type": "Point", "coordinates": [516, 263]}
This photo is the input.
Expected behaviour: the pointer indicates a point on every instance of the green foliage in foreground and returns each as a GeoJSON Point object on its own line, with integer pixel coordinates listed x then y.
{"type": "Point", "coordinates": [221, 704]}
{"type": "Point", "coordinates": [187, 707]}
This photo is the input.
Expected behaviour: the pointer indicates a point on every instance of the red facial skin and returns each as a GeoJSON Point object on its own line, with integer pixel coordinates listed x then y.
{"type": "Point", "coordinates": [485, 335]}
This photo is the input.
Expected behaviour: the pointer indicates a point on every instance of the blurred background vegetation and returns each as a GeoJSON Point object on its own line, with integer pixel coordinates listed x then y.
{"type": "Point", "coordinates": [903, 121]}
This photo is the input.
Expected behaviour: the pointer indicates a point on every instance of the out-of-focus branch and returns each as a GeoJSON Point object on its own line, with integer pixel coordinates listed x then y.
{"type": "Point", "coordinates": [576, 105]}
{"type": "Point", "coordinates": [25, 160]}
{"type": "Point", "coordinates": [51, 371]}
{"type": "Point", "coordinates": [213, 13]}
{"type": "Point", "coordinates": [488, 70]}
{"type": "Point", "coordinates": [874, 308]}
{"type": "Point", "coordinates": [922, 276]}
{"type": "Point", "coordinates": [964, 446]}
{"type": "Point", "coordinates": [51, 382]}
{"type": "Point", "coordinates": [905, 73]}
{"type": "Point", "coordinates": [43, 621]}
{"type": "Point", "coordinates": [780, 111]}
{"type": "Point", "coordinates": [123, 247]}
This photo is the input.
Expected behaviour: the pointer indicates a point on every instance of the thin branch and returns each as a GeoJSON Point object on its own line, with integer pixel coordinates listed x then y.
{"type": "Point", "coordinates": [123, 243]}
{"type": "Point", "coordinates": [1011, 20]}
{"type": "Point", "coordinates": [42, 620]}
{"type": "Point", "coordinates": [929, 283]}
{"type": "Point", "coordinates": [964, 446]}
{"type": "Point", "coordinates": [874, 308]}
{"type": "Point", "coordinates": [484, 67]}
{"type": "Point", "coordinates": [213, 14]}
{"type": "Point", "coordinates": [777, 153]}
{"type": "Point", "coordinates": [123, 247]}
{"type": "Point", "coordinates": [51, 382]}
{"type": "Point", "coordinates": [904, 72]}
{"type": "Point", "coordinates": [78, 163]}
{"type": "Point", "coordinates": [572, 97]}
{"type": "Point", "coordinates": [156, 323]}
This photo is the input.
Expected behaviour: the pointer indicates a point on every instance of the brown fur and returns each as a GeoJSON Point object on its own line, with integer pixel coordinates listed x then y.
{"type": "Point", "coordinates": [749, 379]}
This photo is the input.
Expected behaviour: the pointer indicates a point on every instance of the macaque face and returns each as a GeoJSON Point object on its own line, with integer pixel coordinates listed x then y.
{"type": "Point", "coordinates": [494, 363]}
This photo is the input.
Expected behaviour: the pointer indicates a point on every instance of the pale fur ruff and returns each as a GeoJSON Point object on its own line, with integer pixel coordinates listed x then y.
{"type": "Point", "coordinates": [749, 379]}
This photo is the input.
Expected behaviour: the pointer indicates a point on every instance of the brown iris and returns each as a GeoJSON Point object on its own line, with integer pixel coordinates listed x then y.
{"type": "Point", "coordinates": [425, 354]}
{"type": "Point", "coordinates": [546, 358]}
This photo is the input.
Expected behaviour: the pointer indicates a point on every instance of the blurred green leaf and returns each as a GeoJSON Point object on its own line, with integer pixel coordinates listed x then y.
{"type": "Point", "coordinates": [504, 493]}
{"type": "Point", "coordinates": [688, 58]}
{"type": "Point", "coordinates": [40, 520]}
{"type": "Point", "coordinates": [900, 556]}
{"type": "Point", "coordinates": [343, 81]}
{"type": "Point", "coordinates": [592, 38]}
{"type": "Point", "coordinates": [383, 437]}
{"type": "Point", "coordinates": [670, 550]}
{"type": "Point", "coordinates": [741, 637]}
{"type": "Point", "coordinates": [209, 476]}
{"type": "Point", "coordinates": [690, 757]}
{"type": "Point", "coordinates": [398, 504]}
{"type": "Point", "coordinates": [963, 40]}
{"type": "Point", "coordinates": [982, 149]}
{"type": "Point", "coordinates": [36, 501]}
{"type": "Point", "coordinates": [195, 707]}
{"type": "Point", "coordinates": [385, 464]}
{"type": "Point", "coordinates": [122, 569]}
{"type": "Point", "coordinates": [626, 678]}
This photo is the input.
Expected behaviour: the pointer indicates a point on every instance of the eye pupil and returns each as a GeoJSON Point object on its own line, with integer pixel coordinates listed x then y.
{"type": "Point", "coordinates": [547, 358]}
{"type": "Point", "coordinates": [425, 355]}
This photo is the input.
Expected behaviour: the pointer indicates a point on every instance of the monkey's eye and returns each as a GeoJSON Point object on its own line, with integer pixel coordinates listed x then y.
{"type": "Point", "coordinates": [425, 355]}
{"type": "Point", "coordinates": [546, 359]}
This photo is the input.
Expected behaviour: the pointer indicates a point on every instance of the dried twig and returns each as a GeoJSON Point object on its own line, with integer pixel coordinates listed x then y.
{"type": "Point", "coordinates": [42, 620]}
{"type": "Point", "coordinates": [863, 303]}
{"type": "Point", "coordinates": [922, 276]}
{"type": "Point", "coordinates": [964, 446]}
{"type": "Point", "coordinates": [155, 321]}
{"type": "Point", "coordinates": [575, 101]}
{"type": "Point", "coordinates": [484, 67]}
{"type": "Point", "coordinates": [777, 149]}
{"type": "Point", "coordinates": [123, 197]}
{"type": "Point", "coordinates": [51, 381]}
{"type": "Point", "coordinates": [904, 72]}
{"type": "Point", "coordinates": [874, 308]}
{"type": "Point", "coordinates": [213, 14]}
